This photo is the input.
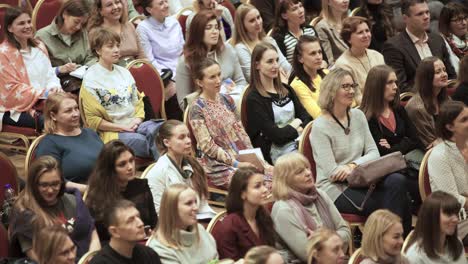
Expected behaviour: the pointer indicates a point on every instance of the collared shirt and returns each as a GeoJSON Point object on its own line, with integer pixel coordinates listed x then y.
{"type": "Point", "coordinates": [162, 42]}
{"type": "Point", "coordinates": [421, 45]}
{"type": "Point", "coordinates": [62, 50]}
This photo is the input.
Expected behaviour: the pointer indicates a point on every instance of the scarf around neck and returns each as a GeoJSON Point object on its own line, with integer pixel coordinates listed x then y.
{"type": "Point", "coordinates": [299, 201]}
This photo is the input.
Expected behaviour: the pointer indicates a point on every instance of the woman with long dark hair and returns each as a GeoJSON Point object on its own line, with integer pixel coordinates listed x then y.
{"type": "Point", "coordinates": [435, 234]}
{"type": "Point", "coordinates": [423, 108]}
{"type": "Point", "coordinates": [275, 116]}
{"type": "Point", "coordinates": [247, 223]}
{"type": "Point", "coordinates": [204, 41]}
{"type": "Point", "coordinates": [45, 202]}
{"type": "Point", "coordinates": [114, 178]}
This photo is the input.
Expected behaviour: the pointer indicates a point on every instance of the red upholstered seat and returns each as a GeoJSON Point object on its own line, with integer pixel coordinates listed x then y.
{"type": "Point", "coordinates": [149, 82]}
{"type": "Point", "coordinates": [405, 97]}
{"type": "Point", "coordinates": [182, 18]}
{"type": "Point", "coordinates": [215, 221]}
{"type": "Point", "coordinates": [305, 147]}
{"type": "Point", "coordinates": [9, 175]}
{"type": "Point", "coordinates": [44, 13]}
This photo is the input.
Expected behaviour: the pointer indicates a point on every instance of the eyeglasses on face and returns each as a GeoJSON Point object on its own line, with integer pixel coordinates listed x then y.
{"type": "Point", "coordinates": [459, 19]}
{"type": "Point", "coordinates": [348, 86]}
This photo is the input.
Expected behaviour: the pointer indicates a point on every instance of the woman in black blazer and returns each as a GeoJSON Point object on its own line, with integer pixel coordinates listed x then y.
{"type": "Point", "coordinates": [275, 116]}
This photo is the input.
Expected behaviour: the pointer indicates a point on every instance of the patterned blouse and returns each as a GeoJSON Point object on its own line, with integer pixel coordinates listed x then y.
{"type": "Point", "coordinates": [220, 135]}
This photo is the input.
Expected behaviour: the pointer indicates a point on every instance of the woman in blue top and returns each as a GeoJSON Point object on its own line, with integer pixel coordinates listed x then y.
{"type": "Point", "coordinates": [67, 142]}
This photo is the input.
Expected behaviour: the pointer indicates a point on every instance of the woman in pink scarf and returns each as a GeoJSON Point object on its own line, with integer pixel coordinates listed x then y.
{"type": "Point", "coordinates": [300, 208]}
{"type": "Point", "coordinates": [26, 72]}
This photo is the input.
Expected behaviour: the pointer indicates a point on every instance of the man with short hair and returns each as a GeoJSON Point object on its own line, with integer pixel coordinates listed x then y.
{"type": "Point", "coordinates": [126, 229]}
{"type": "Point", "coordinates": [405, 51]}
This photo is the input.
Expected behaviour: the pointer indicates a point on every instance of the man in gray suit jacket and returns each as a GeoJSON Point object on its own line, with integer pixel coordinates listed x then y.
{"type": "Point", "coordinates": [405, 51]}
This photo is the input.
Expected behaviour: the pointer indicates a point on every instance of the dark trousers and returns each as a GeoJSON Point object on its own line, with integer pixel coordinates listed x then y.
{"type": "Point", "coordinates": [25, 120]}
{"type": "Point", "coordinates": [390, 193]}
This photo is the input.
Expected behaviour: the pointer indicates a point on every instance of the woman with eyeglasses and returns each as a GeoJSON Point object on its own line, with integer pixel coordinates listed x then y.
{"type": "Point", "coordinates": [453, 26]}
{"type": "Point", "coordinates": [44, 202]}
{"type": "Point", "coordinates": [341, 141]}
{"type": "Point", "coordinates": [59, 248]}
{"type": "Point", "coordinates": [66, 40]}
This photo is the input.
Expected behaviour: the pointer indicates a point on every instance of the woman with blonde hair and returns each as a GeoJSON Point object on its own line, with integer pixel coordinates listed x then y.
{"type": "Point", "coordinates": [179, 238]}
{"type": "Point", "coordinates": [249, 32]}
{"type": "Point", "coordinates": [44, 202]}
{"type": "Point", "coordinates": [59, 248]}
{"type": "Point", "coordinates": [382, 239]}
{"type": "Point", "coordinates": [325, 246]}
{"type": "Point", "coordinates": [329, 28]}
{"type": "Point", "coordinates": [263, 255]}
{"type": "Point", "coordinates": [300, 208]}
{"type": "Point", "coordinates": [67, 142]}
{"type": "Point", "coordinates": [342, 141]}
{"type": "Point", "coordinates": [112, 15]}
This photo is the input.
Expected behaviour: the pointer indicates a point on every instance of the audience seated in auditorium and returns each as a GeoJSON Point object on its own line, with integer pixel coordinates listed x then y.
{"type": "Point", "coordinates": [435, 235]}
{"type": "Point", "coordinates": [66, 40]}
{"type": "Point", "coordinates": [177, 165]}
{"type": "Point", "coordinates": [249, 32]}
{"type": "Point", "coordinates": [325, 246]}
{"type": "Point", "coordinates": [217, 128]}
{"type": "Point", "coordinates": [431, 91]}
{"type": "Point", "coordinates": [358, 59]}
{"type": "Point", "coordinates": [112, 15]}
{"type": "Point", "coordinates": [179, 238]}
{"type": "Point", "coordinates": [204, 41]}
{"type": "Point", "coordinates": [126, 228]}
{"type": "Point", "coordinates": [461, 93]}
{"type": "Point", "coordinates": [162, 40]}
{"type": "Point", "coordinates": [448, 161]}
{"type": "Point", "coordinates": [453, 26]}
{"type": "Point", "coordinates": [263, 255]}
{"type": "Point", "coordinates": [114, 178]}
{"type": "Point", "coordinates": [390, 125]}
{"type": "Point", "coordinates": [275, 116]}
{"type": "Point", "coordinates": [405, 51]}
{"type": "Point", "coordinates": [308, 73]}
{"type": "Point", "coordinates": [382, 239]}
{"type": "Point", "coordinates": [45, 202]}
{"type": "Point", "coordinates": [267, 9]}
{"type": "Point", "coordinates": [300, 208]}
{"type": "Point", "coordinates": [53, 245]}
{"type": "Point", "coordinates": [27, 75]}
{"type": "Point", "coordinates": [341, 140]}
{"type": "Point", "coordinates": [76, 149]}
{"type": "Point", "coordinates": [381, 18]}
{"type": "Point", "coordinates": [330, 26]}
{"type": "Point", "coordinates": [289, 26]}
{"type": "Point", "coordinates": [111, 102]}
{"type": "Point", "coordinates": [223, 15]}
{"type": "Point", "coordinates": [247, 223]}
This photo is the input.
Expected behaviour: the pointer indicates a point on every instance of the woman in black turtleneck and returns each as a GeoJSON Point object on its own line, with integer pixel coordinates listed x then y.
{"type": "Point", "coordinates": [380, 16]}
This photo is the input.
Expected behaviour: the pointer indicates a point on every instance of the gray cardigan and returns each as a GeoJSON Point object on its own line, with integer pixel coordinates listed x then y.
{"type": "Point", "coordinates": [195, 249]}
{"type": "Point", "coordinates": [333, 149]}
{"type": "Point", "coordinates": [230, 68]}
{"type": "Point", "coordinates": [331, 42]}
{"type": "Point", "coordinates": [292, 232]}
{"type": "Point", "coordinates": [245, 56]}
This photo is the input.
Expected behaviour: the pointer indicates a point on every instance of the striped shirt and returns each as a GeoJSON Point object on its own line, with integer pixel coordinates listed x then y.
{"type": "Point", "coordinates": [290, 41]}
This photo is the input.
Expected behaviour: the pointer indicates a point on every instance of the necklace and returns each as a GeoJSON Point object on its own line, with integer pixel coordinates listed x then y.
{"type": "Point", "coordinates": [346, 129]}
{"type": "Point", "coordinates": [362, 64]}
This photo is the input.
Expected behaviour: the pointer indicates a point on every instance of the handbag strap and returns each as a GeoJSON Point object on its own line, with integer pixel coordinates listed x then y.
{"type": "Point", "coordinates": [368, 194]}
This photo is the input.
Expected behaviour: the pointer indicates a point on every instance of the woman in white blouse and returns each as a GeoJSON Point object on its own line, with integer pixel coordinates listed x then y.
{"type": "Point", "coordinates": [176, 165]}
{"type": "Point", "coordinates": [448, 161]}
{"type": "Point", "coordinates": [26, 72]}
